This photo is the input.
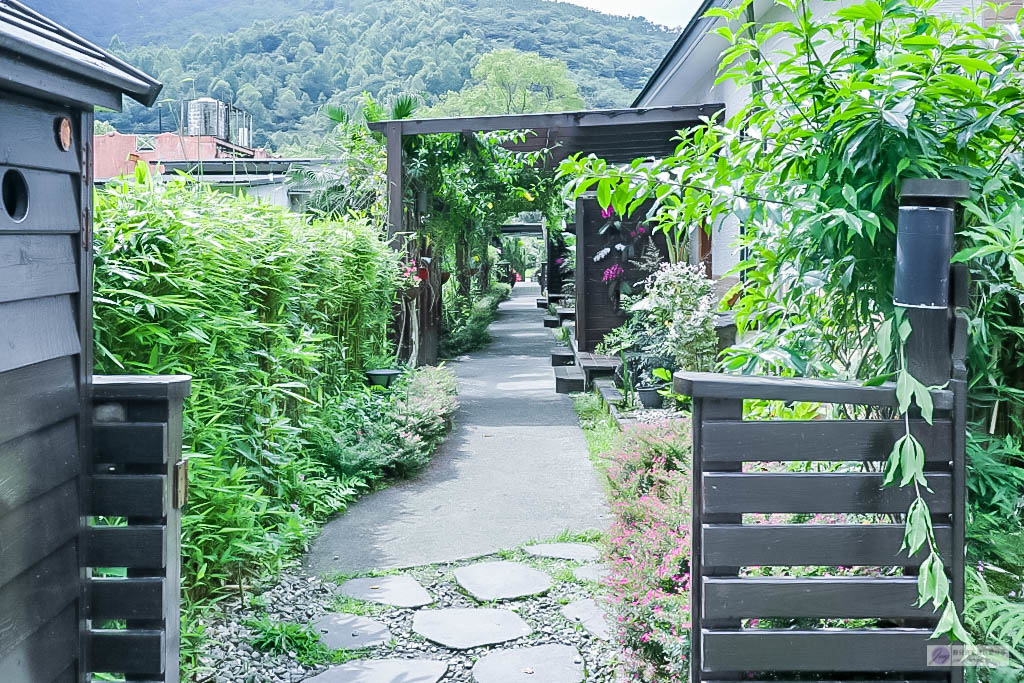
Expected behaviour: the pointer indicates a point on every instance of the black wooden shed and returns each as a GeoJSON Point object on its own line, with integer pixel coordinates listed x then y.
{"type": "Point", "coordinates": [54, 614]}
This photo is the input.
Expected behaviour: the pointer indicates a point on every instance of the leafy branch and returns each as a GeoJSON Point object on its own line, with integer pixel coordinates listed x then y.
{"type": "Point", "coordinates": [906, 464]}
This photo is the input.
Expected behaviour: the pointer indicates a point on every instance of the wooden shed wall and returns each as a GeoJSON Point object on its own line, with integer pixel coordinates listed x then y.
{"type": "Point", "coordinates": [44, 319]}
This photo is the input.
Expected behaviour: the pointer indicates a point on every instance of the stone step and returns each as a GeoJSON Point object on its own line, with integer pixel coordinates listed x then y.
{"type": "Point", "coordinates": [565, 314]}
{"type": "Point", "coordinates": [539, 664]}
{"type": "Point", "coordinates": [542, 302]}
{"type": "Point", "coordinates": [466, 628]}
{"type": "Point", "coordinates": [562, 355]}
{"type": "Point", "coordinates": [611, 394]}
{"type": "Point", "coordinates": [569, 379]}
{"type": "Point", "coordinates": [595, 366]}
{"type": "Point", "coordinates": [551, 321]}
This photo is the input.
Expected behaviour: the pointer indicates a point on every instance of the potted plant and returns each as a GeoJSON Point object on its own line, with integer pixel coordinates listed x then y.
{"type": "Point", "coordinates": [650, 395]}
{"type": "Point", "coordinates": [383, 377]}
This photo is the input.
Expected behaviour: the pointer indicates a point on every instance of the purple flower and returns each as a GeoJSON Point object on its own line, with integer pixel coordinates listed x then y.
{"type": "Point", "coordinates": [614, 272]}
{"type": "Point", "coordinates": [559, 261]}
{"type": "Point", "coordinates": [607, 212]}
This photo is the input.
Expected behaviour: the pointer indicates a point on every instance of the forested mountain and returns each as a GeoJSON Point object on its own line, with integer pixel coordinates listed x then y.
{"type": "Point", "coordinates": [281, 70]}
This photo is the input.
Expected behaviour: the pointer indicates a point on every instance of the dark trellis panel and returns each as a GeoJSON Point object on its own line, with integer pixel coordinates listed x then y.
{"type": "Point", "coordinates": [596, 313]}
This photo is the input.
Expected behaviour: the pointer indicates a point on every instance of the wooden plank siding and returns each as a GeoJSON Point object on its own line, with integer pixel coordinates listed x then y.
{"type": "Point", "coordinates": [43, 388]}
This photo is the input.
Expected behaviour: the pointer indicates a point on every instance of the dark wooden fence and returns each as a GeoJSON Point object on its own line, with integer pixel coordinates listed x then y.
{"type": "Point", "coordinates": [137, 474]}
{"type": "Point", "coordinates": [895, 646]}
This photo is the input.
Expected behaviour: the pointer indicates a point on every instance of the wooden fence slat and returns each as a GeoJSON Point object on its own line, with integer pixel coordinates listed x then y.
{"type": "Point", "coordinates": [137, 598]}
{"type": "Point", "coordinates": [847, 440]}
{"type": "Point", "coordinates": [37, 529]}
{"type": "Point", "coordinates": [781, 545]}
{"type": "Point", "coordinates": [138, 547]}
{"type": "Point", "coordinates": [128, 652]}
{"type": "Point", "coordinates": [37, 595]}
{"type": "Point", "coordinates": [840, 598]}
{"type": "Point", "coordinates": [36, 463]}
{"type": "Point", "coordinates": [137, 495]}
{"type": "Point", "coordinates": [136, 443]}
{"type": "Point", "coordinates": [722, 386]}
{"type": "Point", "coordinates": [825, 650]}
{"type": "Point", "coordinates": [818, 493]}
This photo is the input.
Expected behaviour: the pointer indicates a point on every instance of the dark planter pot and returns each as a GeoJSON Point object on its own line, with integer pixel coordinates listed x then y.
{"type": "Point", "coordinates": [649, 397]}
{"type": "Point", "coordinates": [383, 378]}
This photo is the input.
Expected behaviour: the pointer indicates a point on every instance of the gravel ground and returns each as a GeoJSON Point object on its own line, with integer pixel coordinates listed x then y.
{"type": "Point", "coordinates": [301, 599]}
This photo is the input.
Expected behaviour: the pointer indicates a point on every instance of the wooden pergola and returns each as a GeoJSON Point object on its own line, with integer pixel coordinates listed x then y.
{"type": "Point", "coordinates": [616, 135]}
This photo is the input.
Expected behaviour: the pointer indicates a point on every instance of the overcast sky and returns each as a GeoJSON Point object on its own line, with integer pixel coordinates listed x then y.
{"type": "Point", "coordinates": [667, 12]}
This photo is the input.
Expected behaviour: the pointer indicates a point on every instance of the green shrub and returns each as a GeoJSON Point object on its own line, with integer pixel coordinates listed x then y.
{"type": "Point", "coordinates": [274, 318]}
{"type": "Point", "coordinates": [373, 435]}
{"type": "Point", "coordinates": [465, 322]}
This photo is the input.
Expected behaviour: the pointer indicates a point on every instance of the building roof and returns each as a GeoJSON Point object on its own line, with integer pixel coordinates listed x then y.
{"type": "Point", "coordinates": [43, 59]}
{"type": "Point", "coordinates": [699, 24]}
{"type": "Point", "coordinates": [617, 135]}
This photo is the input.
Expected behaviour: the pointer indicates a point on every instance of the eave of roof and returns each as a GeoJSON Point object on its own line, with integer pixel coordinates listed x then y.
{"type": "Point", "coordinates": [698, 25]}
{"type": "Point", "coordinates": [29, 35]}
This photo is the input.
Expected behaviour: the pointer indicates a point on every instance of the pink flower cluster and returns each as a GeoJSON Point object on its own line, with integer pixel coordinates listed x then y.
{"type": "Point", "coordinates": [650, 551]}
{"type": "Point", "coordinates": [607, 212]}
{"type": "Point", "coordinates": [639, 232]}
{"type": "Point", "coordinates": [612, 273]}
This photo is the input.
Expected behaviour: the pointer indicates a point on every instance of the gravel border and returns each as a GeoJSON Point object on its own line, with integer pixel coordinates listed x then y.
{"type": "Point", "coordinates": [301, 599]}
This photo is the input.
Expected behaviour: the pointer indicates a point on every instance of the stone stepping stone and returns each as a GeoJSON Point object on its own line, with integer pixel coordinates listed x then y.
{"type": "Point", "coordinates": [577, 552]}
{"type": "Point", "coordinates": [461, 629]}
{"type": "Point", "coordinates": [398, 591]}
{"type": "Point", "coordinates": [384, 671]}
{"type": "Point", "coordinates": [351, 632]}
{"type": "Point", "coordinates": [502, 580]}
{"type": "Point", "coordinates": [544, 663]}
{"type": "Point", "coordinates": [592, 572]}
{"type": "Point", "coordinates": [590, 614]}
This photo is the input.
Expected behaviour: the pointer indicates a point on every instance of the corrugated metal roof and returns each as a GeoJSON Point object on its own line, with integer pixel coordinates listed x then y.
{"type": "Point", "coordinates": [31, 36]}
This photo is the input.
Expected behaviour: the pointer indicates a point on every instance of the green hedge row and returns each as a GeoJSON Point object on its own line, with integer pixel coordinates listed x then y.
{"type": "Point", "coordinates": [275, 318]}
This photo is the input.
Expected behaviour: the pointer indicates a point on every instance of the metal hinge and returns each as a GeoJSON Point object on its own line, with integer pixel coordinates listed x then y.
{"type": "Point", "coordinates": [180, 484]}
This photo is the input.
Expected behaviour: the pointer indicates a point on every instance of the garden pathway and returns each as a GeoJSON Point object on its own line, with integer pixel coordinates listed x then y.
{"type": "Point", "coordinates": [515, 468]}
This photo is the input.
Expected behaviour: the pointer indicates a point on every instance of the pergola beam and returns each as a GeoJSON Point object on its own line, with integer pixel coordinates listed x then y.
{"type": "Point", "coordinates": [684, 114]}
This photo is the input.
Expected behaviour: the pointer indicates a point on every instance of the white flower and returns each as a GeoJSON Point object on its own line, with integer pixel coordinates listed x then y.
{"type": "Point", "coordinates": [601, 254]}
{"type": "Point", "coordinates": [620, 247]}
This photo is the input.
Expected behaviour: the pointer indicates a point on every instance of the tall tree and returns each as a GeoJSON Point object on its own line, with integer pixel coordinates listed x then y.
{"type": "Point", "coordinates": [512, 82]}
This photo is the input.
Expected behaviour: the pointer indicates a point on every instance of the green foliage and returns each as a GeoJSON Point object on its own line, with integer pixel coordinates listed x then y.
{"type": "Point", "coordinates": [300, 641]}
{"type": "Point", "coordinates": [302, 56]}
{"type": "Point", "coordinates": [273, 317]}
{"type": "Point", "coordinates": [373, 435]}
{"type": "Point", "coordinates": [512, 82]}
{"type": "Point", "coordinates": [465, 321]}
{"type": "Point", "coordinates": [671, 326]}
{"type": "Point", "coordinates": [812, 167]}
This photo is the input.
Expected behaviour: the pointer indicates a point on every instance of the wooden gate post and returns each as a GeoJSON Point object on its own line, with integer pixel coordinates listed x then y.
{"type": "Point", "coordinates": [138, 474]}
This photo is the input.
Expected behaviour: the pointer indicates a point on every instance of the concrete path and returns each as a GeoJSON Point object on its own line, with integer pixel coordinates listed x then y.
{"type": "Point", "coordinates": [515, 468]}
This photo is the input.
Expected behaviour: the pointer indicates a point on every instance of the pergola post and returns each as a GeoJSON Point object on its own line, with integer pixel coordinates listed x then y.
{"type": "Point", "coordinates": [393, 131]}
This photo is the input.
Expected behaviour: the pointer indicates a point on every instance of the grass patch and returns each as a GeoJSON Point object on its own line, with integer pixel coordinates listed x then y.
{"type": "Point", "coordinates": [299, 641]}
{"type": "Point", "coordinates": [362, 608]}
{"type": "Point", "coordinates": [599, 429]}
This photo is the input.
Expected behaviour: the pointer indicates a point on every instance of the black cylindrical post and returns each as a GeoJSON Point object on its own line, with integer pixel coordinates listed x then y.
{"type": "Point", "coordinates": [924, 248]}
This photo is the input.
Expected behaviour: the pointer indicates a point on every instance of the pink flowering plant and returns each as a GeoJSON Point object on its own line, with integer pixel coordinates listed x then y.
{"type": "Point", "coordinates": [649, 551]}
